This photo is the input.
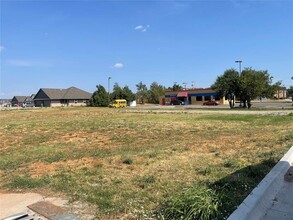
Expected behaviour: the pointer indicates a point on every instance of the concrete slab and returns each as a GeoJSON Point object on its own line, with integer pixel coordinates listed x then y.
{"type": "Point", "coordinates": [46, 209]}
{"type": "Point", "coordinates": [51, 211]}
{"type": "Point", "coordinates": [273, 197]}
{"type": "Point", "coordinates": [14, 203]}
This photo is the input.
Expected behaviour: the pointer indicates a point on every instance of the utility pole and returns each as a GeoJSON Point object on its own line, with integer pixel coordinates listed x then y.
{"type": "Point", "coordinates": [184, 84]}
{"type": "Point", "coordinates": [192, 84]}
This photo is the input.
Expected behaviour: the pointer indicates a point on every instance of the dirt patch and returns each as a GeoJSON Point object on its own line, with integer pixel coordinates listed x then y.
{"type": "Point", "coordinates": [81, 137]}
{"type": "Point", "coordinates": [40, 168]}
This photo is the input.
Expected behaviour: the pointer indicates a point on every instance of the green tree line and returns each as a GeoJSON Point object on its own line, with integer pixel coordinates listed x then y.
{"type": "Point", "coordinates": [101, 98]}
{"type": "Point", "coordinates": [245, 86]}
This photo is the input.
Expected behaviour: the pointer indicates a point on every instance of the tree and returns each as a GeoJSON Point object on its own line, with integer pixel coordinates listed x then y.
{"type": "Point", "coordinates": [128, 94]}
{"type": "Point", "coordinates": [100, 97]}
{"type": "Point", "coordinates": [142, 92]}
{"type": "Point", "coordinates": [156, 92]}
{"type": "Point", "coordinates": [117, 92]}
{"type": "Point", "coordinates": [247, 86]}
{"type": "Point", "coordinates": [255, 84]}
{"type": "Point", "coordinates": [175, 87]}
{"type": "Point", "coordinates": [228, 85]}
{"type": "Point", "coordinates": [122, 93]}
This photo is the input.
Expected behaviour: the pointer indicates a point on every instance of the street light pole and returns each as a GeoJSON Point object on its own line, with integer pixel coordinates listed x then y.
{"type": "Point", "coordinates": [109, 84]}
{"type": "Point", "coordinates": [239, 61]}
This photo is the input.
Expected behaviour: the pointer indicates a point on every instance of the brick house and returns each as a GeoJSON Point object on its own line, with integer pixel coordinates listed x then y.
{"type": "Point", "coordinates": [72, 96]}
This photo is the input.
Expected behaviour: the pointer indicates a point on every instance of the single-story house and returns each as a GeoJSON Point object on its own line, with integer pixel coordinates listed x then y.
{"type": "Point", "coordinates": [5, 102]}
{"type": "Point", "coordinates": [29, 101]}
{"type": "Point", "coordinates": [72, 96]}
{"type": "Point", "coordinates": [24, 101]}
{"type": "Point", "coordinates": [18, 100]}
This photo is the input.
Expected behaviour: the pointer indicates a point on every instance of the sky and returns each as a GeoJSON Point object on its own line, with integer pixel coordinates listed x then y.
{"type": "Point", "coordinates": [81, 43]}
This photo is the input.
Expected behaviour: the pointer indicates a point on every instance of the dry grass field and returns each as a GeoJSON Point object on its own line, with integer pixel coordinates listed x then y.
{"type": "Point", "coordinates": [141, 165]}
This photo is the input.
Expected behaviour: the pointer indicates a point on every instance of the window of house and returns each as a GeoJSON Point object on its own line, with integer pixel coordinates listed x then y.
{"type": "Point", "coordinates": [208, 98]}
{"type": "Point", "coordinates": [198, 98]}
{"type": "Point", "coordinates": [217, 98]}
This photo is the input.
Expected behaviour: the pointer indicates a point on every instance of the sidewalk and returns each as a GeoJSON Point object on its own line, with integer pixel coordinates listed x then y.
{"type": "Point", "coordinates": [273, 197]}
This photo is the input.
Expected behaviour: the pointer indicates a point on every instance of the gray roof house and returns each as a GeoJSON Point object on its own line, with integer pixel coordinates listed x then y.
{"type": "Point", "coordinates": [29, 101]}
{"type": "Point", "coordinates": [61, 97]}
{"type": "Point", "coordinates": [18, 100]}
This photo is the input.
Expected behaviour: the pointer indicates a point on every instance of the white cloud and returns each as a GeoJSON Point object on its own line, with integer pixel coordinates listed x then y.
{"type": "Point", "coordinates": [138, 27]}
{"type": "Point", "coordinates": [1, 48]}
{"type": "Point", "coordinates": [118, 66]}
{"type": "Point", "coordinates": [142, 28]}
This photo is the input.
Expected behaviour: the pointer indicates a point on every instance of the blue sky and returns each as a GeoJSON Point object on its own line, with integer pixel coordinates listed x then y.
{"type": "Point", "coordinates": [58, 44]}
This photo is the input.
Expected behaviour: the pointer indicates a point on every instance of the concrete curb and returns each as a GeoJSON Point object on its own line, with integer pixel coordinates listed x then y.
{"type": "Point", "coordinates": [257, 204]}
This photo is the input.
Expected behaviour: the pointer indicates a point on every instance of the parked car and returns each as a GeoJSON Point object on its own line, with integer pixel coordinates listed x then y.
{"type": "Point", "coordinates": [177, 102]}
{"type": "Point", "coordinates": [210, 103]}
{"type": "Point", "coordinates": [28, 104]}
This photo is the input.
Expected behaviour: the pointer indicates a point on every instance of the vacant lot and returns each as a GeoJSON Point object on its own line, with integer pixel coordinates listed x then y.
{"type": "Point", "coordinates": [140, 165]}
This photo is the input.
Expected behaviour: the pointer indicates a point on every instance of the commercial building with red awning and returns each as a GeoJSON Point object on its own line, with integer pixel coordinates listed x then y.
{"type": "Point", "coordinates": [194, 96]}
{"type": "Point", "coordinates": [182, 94]}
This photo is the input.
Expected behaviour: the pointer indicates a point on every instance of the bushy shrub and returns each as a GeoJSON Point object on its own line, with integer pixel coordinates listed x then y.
{"type": "Point", "coordinates": [127, 161]}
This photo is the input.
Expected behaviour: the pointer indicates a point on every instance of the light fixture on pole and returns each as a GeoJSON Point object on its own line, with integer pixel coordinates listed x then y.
{"type": "Point", "coordinates": [109, 84]}
{"type": "Point", "coordinates": [239, 61]}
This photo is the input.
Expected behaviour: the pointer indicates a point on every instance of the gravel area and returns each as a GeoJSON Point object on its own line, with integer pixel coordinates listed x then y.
{"type": "Point", "coordinates": [227, 112]}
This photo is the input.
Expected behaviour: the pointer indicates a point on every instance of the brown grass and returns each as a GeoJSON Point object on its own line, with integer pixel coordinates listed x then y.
{"type": "Point", "coordinates": [88, 146]}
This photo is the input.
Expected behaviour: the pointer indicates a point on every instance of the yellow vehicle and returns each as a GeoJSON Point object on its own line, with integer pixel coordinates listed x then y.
{"type": "Point", "coordinates": [119, 103]}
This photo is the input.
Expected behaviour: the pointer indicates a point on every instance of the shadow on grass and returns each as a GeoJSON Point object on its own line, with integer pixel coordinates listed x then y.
{"type": "Point", "coordinates": [215, 200]}
{"type": "Point", "coordinates": [234, 188]}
